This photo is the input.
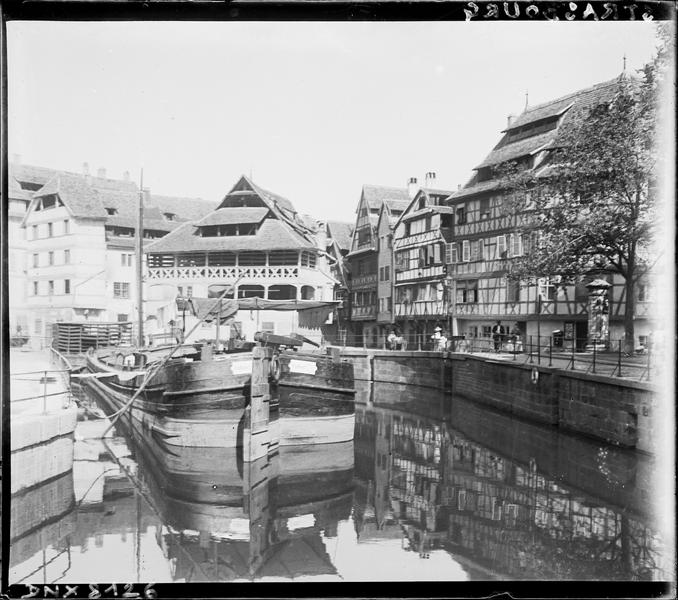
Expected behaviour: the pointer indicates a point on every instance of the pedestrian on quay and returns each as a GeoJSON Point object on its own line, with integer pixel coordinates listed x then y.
{"type": "Point", "coordinates": [391, 340]}
{"type": "Point", "coordinates": [515, 339]}
{"type": "Point", "coordinates": [498, 336]}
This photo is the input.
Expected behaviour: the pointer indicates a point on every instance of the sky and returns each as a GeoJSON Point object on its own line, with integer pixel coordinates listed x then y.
{"type": "Point", "coordinates": [311, 110]}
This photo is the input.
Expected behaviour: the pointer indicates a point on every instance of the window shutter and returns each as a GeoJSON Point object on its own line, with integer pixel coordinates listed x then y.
{"type": "Point", "coordinates": [465, 251]}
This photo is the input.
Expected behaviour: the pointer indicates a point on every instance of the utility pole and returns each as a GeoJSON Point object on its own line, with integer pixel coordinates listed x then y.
{"type": "Point", "coordinates": [139, 252]}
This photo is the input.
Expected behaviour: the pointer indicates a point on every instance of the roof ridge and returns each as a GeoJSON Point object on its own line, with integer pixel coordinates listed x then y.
{"type": "Point", "coordinates": [572, 95]}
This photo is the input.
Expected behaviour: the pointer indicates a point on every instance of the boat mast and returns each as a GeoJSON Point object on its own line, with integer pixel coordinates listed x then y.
{"type": "Point", "coordinates": [139, 265]}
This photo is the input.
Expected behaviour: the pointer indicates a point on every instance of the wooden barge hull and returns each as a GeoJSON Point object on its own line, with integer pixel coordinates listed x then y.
{"type": "Point", "coordinates": [203, 403]}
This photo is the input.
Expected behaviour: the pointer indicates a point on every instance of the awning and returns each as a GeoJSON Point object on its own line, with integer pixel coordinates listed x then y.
{"type": "Point", "coordinates": [312, 313]}
{"type": "Point", "coordinates": [208, 309]}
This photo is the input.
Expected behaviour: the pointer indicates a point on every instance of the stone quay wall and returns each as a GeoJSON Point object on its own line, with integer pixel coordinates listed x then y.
{"type": "Point", "coordinates": [615, 410]}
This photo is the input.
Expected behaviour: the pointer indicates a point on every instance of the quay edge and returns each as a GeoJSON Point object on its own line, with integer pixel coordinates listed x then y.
{"type": "Point", "coordinates": [614, 410]}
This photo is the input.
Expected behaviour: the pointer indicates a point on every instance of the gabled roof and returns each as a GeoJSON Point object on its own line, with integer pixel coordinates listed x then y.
{"type": "Point", "coordinates": [341, 233]}
{"type": "Point", "coordinates": [429, 207]}
{"type": "Point", "coordinates": [374, 195]}
{"type": "Point", "coordinates": [273, 234]}
{"type": "Point", "coordinates": [280, 206]}
{"type": "Point", "coordinates": [81, 199]}
{"type": "Point", "coordinates": [563, 110]}
{"type": "Point", "coordinates": [231, 216]}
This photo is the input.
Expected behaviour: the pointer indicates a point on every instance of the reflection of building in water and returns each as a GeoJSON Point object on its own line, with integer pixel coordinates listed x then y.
{"type": "Point", "coordinates": [419, 445]}
{"type": "Point", "coordinates": [518, 518]}
{"type": "Point", "coordinates": [530, 526]}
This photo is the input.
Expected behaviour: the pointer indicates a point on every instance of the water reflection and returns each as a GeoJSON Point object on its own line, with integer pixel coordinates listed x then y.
{"type": "Point", "coordinates": [430, 488]}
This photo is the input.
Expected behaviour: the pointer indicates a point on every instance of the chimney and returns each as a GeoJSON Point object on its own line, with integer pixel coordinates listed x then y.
{"type": "Point", "coordinates": [101, 173]}
{"type": "Point", "coordinates": [509, 120]}
{"type": "Point", "coordinates": [147, 196]}
{"type": "Point", "coordinates": [430, 179]}
{"type": "Point", "coordinates": [125, 176]}
{"type": "Point", "coordinates": [412, 187]}
{"type": "Point", "coordinates": [16, 159]}
{"type": "Point", "coordinates": [85, 169]}
{"type": "Point", "coordinates": [458, 186]}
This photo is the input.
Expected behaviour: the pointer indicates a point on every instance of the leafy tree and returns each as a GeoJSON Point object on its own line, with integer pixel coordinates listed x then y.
{"type": "Point", "coordinates": [591, 204]}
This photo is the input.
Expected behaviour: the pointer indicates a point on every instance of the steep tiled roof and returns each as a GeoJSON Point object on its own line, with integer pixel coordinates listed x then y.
{"type": "Point", "coordinates": [16, 192]}
{"type": "Point", "coordinates": [396, 205]}
{"type": "Point", "coordinates": [374, 195]}
{"type": "Point", "coordinates": [502, 153]}
{"type": "Point", "coordinates": [565, 109]}
{"type": "Point", "coordinates": [272, 235]}
{"type": "Point", "coordinates": [30, 174]}
{"type": "Point", "coordinates": [231, 216]}
{"type": "Point", "coordinates": [475, 187]}
{"type": "Point", "coordinates": [189, 209]}
{"type": "Point", "coordinates": [81, 199]}
{"type": "Point", "coordinates": [341, 233]}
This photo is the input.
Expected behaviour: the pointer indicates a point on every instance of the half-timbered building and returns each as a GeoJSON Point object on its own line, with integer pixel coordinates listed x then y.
{"type": "Point", "coordinates": [391, 210]}
{"type": "Point", "coordinates": [256, 240]}
{"type": "Point", "coordinates": [420, 241]}
{"type": "Point", "coordinates": [486, 237]}
{"type": "Point", "coordinates": [364, 263]}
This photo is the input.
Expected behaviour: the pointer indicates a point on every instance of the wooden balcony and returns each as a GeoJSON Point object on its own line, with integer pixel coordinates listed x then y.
{"type": "Point", "coordinates": [197, 273]}
{"type": "Point", "coordinates": [423, 308]}
{"type": "Point", "coordinates": [363, 313]}
{"type": "Point", "coordinates": [437, 272]}
{"type": "Point", "coordinates": [364, 281]}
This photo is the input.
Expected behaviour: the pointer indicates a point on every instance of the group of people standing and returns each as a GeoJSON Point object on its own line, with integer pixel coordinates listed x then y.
{"type": "Point", "coordinates": [396, 341]}
{"type": "Point", "coordinates": [500, 334]}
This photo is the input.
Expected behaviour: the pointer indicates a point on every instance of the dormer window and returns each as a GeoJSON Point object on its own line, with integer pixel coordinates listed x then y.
{"type": "Point", "coordinates": [47, 202]}
{"type": "Point", "coordinates": [112, 211]}
{"type": "Point", "coordinates": [170, 216]}
{"type": "Point", "coordinates": [422, 203]}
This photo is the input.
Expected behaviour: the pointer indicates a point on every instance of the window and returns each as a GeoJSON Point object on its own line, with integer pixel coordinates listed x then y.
{"type": "Point", "coordinates": [122, 317]}
{"type": "Point", "coordinates": [35, 288]}
{"type": "Point", "coordinates": [512, 291]}
{"type": "Point", "coordinates": [381, 273]}
{"type": "Point", "coordinates": [189, 291]}
{"type": "Point", "coordinates": [36, 260]}
{"type": "Point", "coordinates": [268, 327]}
{"type": "Point", "coordinates": [35, 232]}
{"type": "Point", "coordinates": [112, 211]}
{"type": "Point", "coordinates": [121, 289]}
{"type": "Point", "coordinates": [50, 229]}
{"type": "Point", "coordinates": [67, 226]}
{"type": "Point", "coordinates": [67, 257]}
{"type": "Point", "coordinates": [461, 214]}
{"type": "Point", "coordinates": [485, 208]}
{"type": "Point", "coordinates": [50, 287]}
{"type": "Point", "coordinates": [465, 251]}
{"type": "Point", "coordinates": [126, 260]}
{"type": "Point", "coordinates": [501, 246]}
{"type": "Point", "coordinates": [251, 291]}
{"type": "Point", "coordinates": [67, 286]}
{"type": "Point", "coordinates": [280, 258]}
{"type": "Point", "coordinates": [180, 291]}
{"type": "Point", "coordinates": [50, 258]}
{"type": "Point", "coordinates": [170, 216]}
{"type": "Point", "coordinates": [387, 274]}
{"type": "Point", "coordinates": [643, 292]}
{"type": "Point", "coordinates": [467, 291]}
{"type": "Point", "coordinates": [515, 245]}
{"type": "Point", "coordinates": [546, 289]}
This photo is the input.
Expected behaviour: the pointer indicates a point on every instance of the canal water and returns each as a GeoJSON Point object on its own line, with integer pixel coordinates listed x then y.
{"type": "Point", "coordinates": [431, 488]}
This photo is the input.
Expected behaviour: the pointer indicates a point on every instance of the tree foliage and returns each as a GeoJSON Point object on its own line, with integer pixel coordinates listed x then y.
{"type": "Point", "coordinates": [590, 204]}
